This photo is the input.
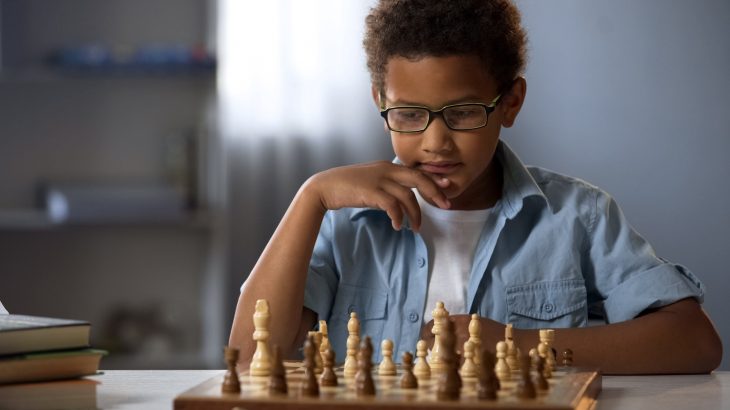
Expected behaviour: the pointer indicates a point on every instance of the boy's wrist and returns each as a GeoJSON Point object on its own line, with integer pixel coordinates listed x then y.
{"type": "Point", "coordinates": [311, 195]}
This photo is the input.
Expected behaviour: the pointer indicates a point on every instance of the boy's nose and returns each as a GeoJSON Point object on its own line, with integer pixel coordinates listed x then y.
{"type": "Point", "coordinates": [437, 137]}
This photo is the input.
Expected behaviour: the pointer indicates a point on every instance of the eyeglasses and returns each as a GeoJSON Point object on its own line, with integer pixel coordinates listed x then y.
{"type": "Point", "coordinates": [458, 117]}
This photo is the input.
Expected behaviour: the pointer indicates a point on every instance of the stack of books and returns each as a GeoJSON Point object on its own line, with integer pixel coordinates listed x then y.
{"type": "Point", "coordinates": [36, 349]}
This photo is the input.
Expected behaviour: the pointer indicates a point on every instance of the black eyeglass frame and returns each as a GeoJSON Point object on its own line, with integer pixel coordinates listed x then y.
{"type": "Point", "coordinates": [488, 108]}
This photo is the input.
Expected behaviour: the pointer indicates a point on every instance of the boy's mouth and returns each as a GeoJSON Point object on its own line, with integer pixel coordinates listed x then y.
{"type": "Point", "coordinates": [440, 167]}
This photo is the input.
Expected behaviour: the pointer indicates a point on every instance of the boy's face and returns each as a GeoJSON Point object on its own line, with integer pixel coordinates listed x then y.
{"type": "Point", "coordinates": [463, 157]}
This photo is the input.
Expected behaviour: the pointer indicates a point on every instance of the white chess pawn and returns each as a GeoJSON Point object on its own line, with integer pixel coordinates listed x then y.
{"type": "Point", "coordinates": [502, 368]}
{"type": "Point", "coordinates": [475, 337]}
{"type": "Point", "coordinates": [421, 369]}
{"type": "Point", "coordinates": [387, 367]}
{"type": "Point", "coordinates": [353, 341]}
{"type": "Point", "coordinates": [543, 351]}
{"type": "Point", "coordinates": [261, 360]}
{"type": "Point", "coordinates": [440, 316]}
{"type": "Point", "coordinates": [469, 368]}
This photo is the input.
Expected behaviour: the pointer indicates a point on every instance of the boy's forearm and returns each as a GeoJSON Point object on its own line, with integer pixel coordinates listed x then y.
{"type": "Point", "coordinates": [678, 338]}
{"type": "Point", "coordinates": [279, 276]}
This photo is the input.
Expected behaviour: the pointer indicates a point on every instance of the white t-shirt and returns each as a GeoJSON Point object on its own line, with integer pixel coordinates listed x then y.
{"type": "Point", "coordinates": [451, 238]}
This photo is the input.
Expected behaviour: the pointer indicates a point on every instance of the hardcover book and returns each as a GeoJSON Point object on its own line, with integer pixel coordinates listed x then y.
{"type": "Point", "coordinates": [26, 334]}
{"type": "Point", "coordinates": [63, 364]}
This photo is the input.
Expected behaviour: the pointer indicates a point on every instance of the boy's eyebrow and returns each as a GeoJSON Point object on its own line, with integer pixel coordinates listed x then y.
{"type": "Point", "coordinates": [465, 99]}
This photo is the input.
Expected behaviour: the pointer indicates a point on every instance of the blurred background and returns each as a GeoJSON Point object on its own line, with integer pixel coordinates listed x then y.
{"type": "Point", "coordinates": [148, 148]}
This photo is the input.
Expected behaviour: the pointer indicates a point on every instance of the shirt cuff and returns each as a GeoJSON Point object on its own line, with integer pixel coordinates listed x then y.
{"type": "Point", "coordinates": [653, 288]}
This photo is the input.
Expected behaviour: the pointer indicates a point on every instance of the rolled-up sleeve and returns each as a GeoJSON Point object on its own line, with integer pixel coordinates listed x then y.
{"type": "Point", "coordinates": [626, 271]}
{"type": "Point", "coordinates": [322, 277]}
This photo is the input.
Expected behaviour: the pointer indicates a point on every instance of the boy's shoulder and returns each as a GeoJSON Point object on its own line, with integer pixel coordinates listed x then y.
{"type": "Point", "coordinates": [547, 179]}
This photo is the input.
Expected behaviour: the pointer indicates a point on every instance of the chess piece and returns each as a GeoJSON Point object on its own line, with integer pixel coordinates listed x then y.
{"type": "Point", "coordinates": [309, 386]}
{"type": "Point", "coordinates": [542, 350]}
{"type": "Point", "coordinates": [488, 384]}
{"type": "Point", "coordinates": [387, 367]}
{"type": "Point", "coordinates": [277, 380]}
{"type": "Point", "coordinates": [325, 339]}
{"type": "Point", "coordinates": [440, 317]}
{"type": "Point", "coordinates": [449, 383]}
{"type": "Point", "coordinates": [364, 385]}
{"type": "Point", "coordinates": [475, 337]}
{"type": "Point", "coordinates": [502, 368]}
{"type": "Point", "coordinates": [328, 377]}
{"type": "Point", "coordinates": [542, 383]}
{"type": "Point", "coordinates": [511, 358]}
{"type": "Point", "coordinates": [534, 355]}
{"type": "Point", "coordinates": [567, 358]}
{"type": "Point", "coordinates": [547, 336]}
{"type": "Point", "coordinates": [317, 337]}
{"type": "Point", "coordinates": [422, 370]}
{"type": "Point", "coordinates": [353, 341]}
{"type": "Point", "coordinates": [408, 379]}
{"type": "Point", "coordinates": [261, 361]}
{"type": "Point", "coordinates": [469, 368]}
{"type": "Point", "coordinates": [525, 388]}
{"type": "Point", "coordinates": [231, 384]}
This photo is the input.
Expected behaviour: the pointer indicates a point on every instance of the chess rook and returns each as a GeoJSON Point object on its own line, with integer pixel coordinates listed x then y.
{"type": "Point", "coordinates": [231, 383]}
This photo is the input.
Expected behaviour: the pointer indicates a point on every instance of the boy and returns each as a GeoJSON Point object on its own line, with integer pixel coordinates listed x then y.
{"type": "Point", "coordinates": [458, 218]}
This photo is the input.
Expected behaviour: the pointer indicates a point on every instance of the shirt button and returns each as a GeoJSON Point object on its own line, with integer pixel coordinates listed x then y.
{"type": "Point", "coordinates": [413, 316]}
{"type": "Point", "coordinates": [421, 262]}
{"type": "Point", "coordinates": [548, 307]}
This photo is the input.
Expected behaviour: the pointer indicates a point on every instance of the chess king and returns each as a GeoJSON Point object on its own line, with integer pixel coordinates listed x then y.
{"type": "Point", "coordinates": [457, 217]}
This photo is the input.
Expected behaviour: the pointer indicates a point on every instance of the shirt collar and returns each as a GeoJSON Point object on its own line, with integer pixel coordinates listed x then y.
{"type": "Point", "coordinates": [518, 185]}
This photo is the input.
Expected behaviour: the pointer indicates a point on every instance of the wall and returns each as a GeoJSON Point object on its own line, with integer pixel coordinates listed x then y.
{"type": "Point", "coordinates": [633, 97]}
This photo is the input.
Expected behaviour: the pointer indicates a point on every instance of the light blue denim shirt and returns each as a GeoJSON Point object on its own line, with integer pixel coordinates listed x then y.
{"type": "Point", "coordinates": [554, 246]}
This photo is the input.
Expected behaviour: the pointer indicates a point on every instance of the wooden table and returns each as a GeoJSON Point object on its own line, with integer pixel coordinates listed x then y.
{"type": "Point", "coordinates": [156, 389]}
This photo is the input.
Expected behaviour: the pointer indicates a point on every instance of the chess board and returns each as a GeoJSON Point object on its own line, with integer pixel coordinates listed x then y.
{"type": "Point", "coordinates": [570, 389]}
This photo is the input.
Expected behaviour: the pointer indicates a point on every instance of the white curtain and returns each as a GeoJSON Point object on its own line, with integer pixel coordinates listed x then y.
{"type": "Point", "coordinates": [292, 67]}
{"type": "Point", "coordinates": [293, 99]}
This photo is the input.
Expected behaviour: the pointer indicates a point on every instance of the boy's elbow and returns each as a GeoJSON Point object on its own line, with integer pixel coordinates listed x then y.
{"type": "Point", "coordinates": [709, 349]}
{"type": "Point", "coordinates": [707, 354]}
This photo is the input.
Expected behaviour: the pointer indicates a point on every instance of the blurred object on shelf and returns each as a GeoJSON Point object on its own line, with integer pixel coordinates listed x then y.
{"type": "Point", "coordinates": [118, 203]}
{"type": "Point", "coordinates": [150, 58]}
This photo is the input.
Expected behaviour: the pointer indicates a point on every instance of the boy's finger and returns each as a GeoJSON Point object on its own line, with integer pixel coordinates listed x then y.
{"type": "Point", "coordinates": [428, 188]}
{"type": "Point", "coordinates": [407, 201]}
{"type": "Point", "coordinates": [391, 206]}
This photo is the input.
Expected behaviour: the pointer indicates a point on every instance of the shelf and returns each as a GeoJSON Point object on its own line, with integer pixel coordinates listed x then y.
{"type": "Point", "coordinates": [38, 220]}
{"type": "Point", "coordinates": [45, 75]}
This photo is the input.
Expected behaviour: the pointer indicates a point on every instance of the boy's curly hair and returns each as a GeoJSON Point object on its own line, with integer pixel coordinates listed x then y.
{"type": "Point", "coordinates": [489, 29]}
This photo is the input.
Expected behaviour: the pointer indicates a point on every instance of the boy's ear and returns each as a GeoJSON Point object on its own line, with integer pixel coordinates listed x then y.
{"type": "Point", "coordinates": [376, 95]}
{"type": "Point", "coordinates": [512, 101]}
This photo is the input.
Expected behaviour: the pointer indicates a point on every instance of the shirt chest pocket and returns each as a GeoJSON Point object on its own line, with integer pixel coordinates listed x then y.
{"type": "Point", "coordinates": [557, 304]}
{"type": "Point", "coordinates": [371, 308]}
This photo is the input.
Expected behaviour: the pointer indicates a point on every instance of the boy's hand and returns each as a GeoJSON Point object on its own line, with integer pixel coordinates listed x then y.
{"type": "Point", "coordinates": [381, 185]}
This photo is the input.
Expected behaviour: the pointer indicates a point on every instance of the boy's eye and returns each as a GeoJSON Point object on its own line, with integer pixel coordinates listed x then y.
{"type": "Point", "coordinates": [409, 115]}
{"type": "Point", "coordinates": [463, 112]}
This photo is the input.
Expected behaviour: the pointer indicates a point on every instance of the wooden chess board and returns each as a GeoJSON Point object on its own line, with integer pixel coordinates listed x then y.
{"type": "Point", "coordinates": [570, 389]}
